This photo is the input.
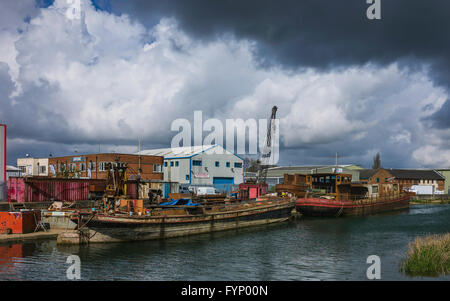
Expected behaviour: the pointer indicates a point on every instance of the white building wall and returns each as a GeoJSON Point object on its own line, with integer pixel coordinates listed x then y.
{"type": "Point", "coordinates": [209, 167]}
{"type": "Point", "coordinates": [203, 175]}
{"type": "Point", "coordinates": [33, 166]}
{"type": "Point", "coordinates": [176, 173]}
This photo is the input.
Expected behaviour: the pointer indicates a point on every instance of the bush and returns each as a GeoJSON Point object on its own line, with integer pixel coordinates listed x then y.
{"type": "Point", "coordinates": [428, 256]}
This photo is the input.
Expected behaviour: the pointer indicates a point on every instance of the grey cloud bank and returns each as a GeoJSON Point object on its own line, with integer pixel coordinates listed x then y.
{"type": "Point", "coordinates": [341, 82]}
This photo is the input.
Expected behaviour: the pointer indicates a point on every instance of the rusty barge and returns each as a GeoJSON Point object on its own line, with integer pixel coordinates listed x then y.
{"type": "Point", "coordinates": [362, 206]}
{"type": "Point", "coordinates": [162, 222]}
{"type": "Point", "coordinates": [334, 195]}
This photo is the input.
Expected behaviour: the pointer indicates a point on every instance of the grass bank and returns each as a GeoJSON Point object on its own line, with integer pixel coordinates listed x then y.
{"type": "Point", "coordinates": [429, 202]}
{"type": "Point", "coordinates": [428, 256]}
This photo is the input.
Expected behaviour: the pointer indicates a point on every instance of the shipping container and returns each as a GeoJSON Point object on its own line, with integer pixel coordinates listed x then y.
{"type": "Point", "coordinates": [20, 222]}
{"type": "Point", "coordinates": [252, 191]}
{"type": "Point", "coordinates": [44, 189]}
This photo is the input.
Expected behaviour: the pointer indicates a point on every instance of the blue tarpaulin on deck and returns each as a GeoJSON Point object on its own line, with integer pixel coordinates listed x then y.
{"type": "Point", "coordinates": [184, 202]}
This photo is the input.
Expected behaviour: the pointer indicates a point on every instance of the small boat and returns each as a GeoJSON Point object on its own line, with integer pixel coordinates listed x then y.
{"type": "Point", "coordinates": [334, 195]}
{"type": "Point", "coordinates": [173, 220]}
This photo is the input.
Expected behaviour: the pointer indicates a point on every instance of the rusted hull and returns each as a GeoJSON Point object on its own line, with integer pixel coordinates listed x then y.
{"type": "Point", "coordinates": [119, 229]}
{"type": "Point", "coordinates": [335, 208]}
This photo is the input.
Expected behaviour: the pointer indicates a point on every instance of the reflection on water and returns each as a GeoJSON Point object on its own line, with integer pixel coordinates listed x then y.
{"type": "Point", "coordinates": [305, 249]}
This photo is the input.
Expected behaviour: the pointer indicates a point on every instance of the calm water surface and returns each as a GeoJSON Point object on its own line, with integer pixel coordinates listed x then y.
{"type": "Point", "coordinates": [305, 249]}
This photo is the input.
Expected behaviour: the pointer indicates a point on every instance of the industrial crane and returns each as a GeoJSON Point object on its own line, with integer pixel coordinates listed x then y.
{"type": "Point", "coordinates": [267, 156]}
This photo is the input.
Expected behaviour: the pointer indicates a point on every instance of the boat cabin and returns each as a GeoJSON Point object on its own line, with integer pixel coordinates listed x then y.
{"type": "Point", "coordinates": [338, 184]}
{"type": "Point", "coordinates": [328, 182]}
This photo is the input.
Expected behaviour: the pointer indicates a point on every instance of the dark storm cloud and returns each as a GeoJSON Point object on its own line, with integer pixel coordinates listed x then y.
{"type": "Point", "coordinates": [318, 33]}
{"type": "Point", "coordinates": [441, 119]}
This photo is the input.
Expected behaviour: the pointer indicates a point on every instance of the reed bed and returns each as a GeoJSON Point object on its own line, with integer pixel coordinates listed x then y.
{"type": "Point", "coordinates": [428, 256]}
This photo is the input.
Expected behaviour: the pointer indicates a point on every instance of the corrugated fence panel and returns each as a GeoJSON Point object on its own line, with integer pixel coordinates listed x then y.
{"type": "Point", "coordinates": [47, 189]}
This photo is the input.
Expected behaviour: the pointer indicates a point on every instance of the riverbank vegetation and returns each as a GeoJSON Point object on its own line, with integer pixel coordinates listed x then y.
{"type": "Point", "coordinates": [417, 202]}
{"type": "Point", "coordinates": [428, 256]}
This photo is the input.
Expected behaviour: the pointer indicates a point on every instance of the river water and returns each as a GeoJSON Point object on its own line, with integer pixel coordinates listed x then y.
{"type": "Point", "coordinates": [304, 249]}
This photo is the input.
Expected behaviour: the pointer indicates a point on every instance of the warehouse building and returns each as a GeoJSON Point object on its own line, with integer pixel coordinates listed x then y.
{"type": "Point", "coordinates": [275, 175]}
{"type": "Point", "coordinates": [204, 165]}
{"type": "Point", "coordinates": [446, 174]}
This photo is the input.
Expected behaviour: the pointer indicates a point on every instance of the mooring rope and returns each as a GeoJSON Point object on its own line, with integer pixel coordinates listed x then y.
{"type": "Point", "coordinates": [80, 228]}
{"type": "Point", "coordinates": [341, 209]}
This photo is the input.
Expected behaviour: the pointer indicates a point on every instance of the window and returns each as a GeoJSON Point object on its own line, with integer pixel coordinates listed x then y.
{"type": "Point", "coordinates": [91, 165]}
{"type": "Point", "coordinates": [228, 164]}
{"type": "Point", "coordinates": [176, 163]}
{"type": "Point", "coordinates": [171, 164]}
{"type": "Point", "coordinates": [42, 169]}
{"type": "Point", "coordinates": [378, 180]}
{"type": "Point", "coordinates": [187, 177]}
{"type": "Point", "coordinates": [165, 164]}
{"type": "Point", "coordinates": [237, 165]}
{"type": "Point", "coordinates": [197, 162]}
{"type": "Point", "coordinates": [102, 166]}
{"type": "Point", "coordinates": [157, 168]}
{"type": "Point", "coordinates": [82, 166]}
{"type": "Point", "coordinates": [217, 164]}
{"type": "Point", "coordinates": [375, 189]}
{"type": "Point", "coordinates": [72, 166]}
{"type": "Point", "coordinates": [23, 169]}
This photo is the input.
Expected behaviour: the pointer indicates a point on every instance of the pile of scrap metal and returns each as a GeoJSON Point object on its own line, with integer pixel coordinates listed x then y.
{"type": "Point", "coordinates": [56, 206]}
{"type": "Point", "coordinates": [154, 196]}
{"type": "Point", "coordinates": [293, 185]}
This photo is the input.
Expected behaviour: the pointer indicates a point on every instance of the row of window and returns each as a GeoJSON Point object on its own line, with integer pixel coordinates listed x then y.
{"type": "Point", "coordinates": [172, 163]}
{"type": "Point", "coordinates": [199, 163]}
{"type": "Point", "coordinates": [330, 179]}
{"type": "Point", "coordinates": [29, 169]}
{"type": "Point", "coordinates": [91, 165]}
{"type": "Point", "coordinates": [408, 181]}
{"type": "Point", "coordinates": [375, 188]}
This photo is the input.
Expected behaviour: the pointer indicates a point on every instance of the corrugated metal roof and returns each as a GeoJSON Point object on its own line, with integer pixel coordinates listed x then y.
{"type": "Point", "coordinates": [12, 168]}
{"type": "Point", "coordinates": [187, 151]}
{"type": "Point", "coordinates": [281, 170]}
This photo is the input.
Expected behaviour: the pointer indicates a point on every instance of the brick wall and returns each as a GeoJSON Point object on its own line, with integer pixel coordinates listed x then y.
{"type": "Point", "coordinates": [81, 164]}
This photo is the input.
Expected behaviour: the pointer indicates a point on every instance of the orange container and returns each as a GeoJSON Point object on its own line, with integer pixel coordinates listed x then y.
{"type": "Point", "coordinates": [19, 222]}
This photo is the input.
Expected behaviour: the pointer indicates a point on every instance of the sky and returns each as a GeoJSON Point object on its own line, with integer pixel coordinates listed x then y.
{"type": "Point", "coordinates": [125, 70]}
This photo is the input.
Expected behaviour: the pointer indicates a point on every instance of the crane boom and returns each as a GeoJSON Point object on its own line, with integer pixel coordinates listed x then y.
{"type": "Point", "coordinates": [265, 161]}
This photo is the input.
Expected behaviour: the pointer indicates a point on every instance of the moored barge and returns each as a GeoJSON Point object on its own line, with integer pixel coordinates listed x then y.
{"type": "Point", "coordinates": [335, 195]}
{"type": "Point", "coordinates": [173, 221]}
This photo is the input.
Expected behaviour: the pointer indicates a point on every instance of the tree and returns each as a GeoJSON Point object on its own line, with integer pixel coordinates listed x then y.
{"type": "Point", "coordinates": [251, 165]}
{"type": "Point", "coordinates": [376, 161]}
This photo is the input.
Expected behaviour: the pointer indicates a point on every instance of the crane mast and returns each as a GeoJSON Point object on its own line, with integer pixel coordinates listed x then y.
{"type": "Point", "coordinates": [267, 150]}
